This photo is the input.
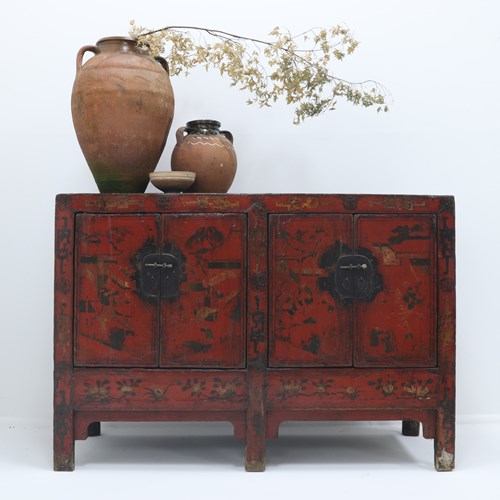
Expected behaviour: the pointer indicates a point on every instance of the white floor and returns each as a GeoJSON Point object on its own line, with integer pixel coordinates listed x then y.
{"type": "Point", "coordinates": [203, 461]}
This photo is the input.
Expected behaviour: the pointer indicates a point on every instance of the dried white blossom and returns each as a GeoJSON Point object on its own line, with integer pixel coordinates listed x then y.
{"type": "Point", "coordinates": [279, 68]}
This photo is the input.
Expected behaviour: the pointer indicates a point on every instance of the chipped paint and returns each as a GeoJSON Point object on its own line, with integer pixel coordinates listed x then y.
{"type": "Point", "coordinates": [446, 325]}
{"type": "Point", "coordinates": [115, 202]}
{"type": "Point", "coordinates": [389, 256]}
{"type": "Point", "coordinates": [64, 463]}
{"type": "Point", "coordinates": [206, 202]}
{"type": "Point", "coordinates": [403, 203]}
{"type": "Point", "coordinates": [445, 461]}
{"type": "Point", "coordinates": [296, 203]}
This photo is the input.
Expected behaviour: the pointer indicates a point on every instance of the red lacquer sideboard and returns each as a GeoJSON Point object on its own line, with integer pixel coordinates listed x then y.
{"type": "Point", "coordinates": [254, 309]}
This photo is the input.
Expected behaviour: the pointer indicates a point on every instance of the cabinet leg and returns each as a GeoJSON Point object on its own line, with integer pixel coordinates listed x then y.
{"type": "Point", "coordinates": [444, 443]}
{"type": "Point", "coordinates": [94, 429]}
{"type": "Point", "coordinates": [64, 431]}
{"type": "Point", "coordinates": [64, 442]}
{"type": "Point", "coordinates": [411, 428]}
{"type": "Point", "coordinates": [255, 450]}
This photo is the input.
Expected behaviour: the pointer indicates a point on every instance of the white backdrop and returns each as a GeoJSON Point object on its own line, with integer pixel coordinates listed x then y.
{"type": "Point", "coordinates": [439, 59]}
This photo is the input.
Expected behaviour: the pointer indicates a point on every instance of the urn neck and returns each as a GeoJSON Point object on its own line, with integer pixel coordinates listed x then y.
{"type": "Point", "coordinates": [203, 127]}
{"type": "Point", "coordinates": [120, 44]}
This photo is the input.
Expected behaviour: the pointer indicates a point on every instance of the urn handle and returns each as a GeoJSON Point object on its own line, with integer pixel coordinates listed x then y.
{"type": "Point", "coordinates": [179, 135]}
{"type": "Point", "coordinates": [81, 52]}
{"type": "Point", "coordinates": [228, 135]}
{"type": "Point", "coordinates": [163, 63]}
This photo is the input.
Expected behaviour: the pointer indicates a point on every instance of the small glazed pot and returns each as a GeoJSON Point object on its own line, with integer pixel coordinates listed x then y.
{"type": "Point", "coordinates": [208, 151]}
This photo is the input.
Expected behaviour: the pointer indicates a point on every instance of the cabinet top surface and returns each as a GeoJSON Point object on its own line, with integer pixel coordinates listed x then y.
{"type": "Point", "coordinates": [279, 203]}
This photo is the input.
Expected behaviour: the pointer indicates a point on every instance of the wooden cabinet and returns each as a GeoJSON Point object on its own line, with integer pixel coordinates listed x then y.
{"type": "Point", "coordinates": [160, 290]}
{"type": "Point", "coordinates": [317, 319]}
{"type": "Point", "coordinates": [254, 309]}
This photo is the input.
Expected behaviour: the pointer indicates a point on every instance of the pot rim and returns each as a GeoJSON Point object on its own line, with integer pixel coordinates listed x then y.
{"type": "Point", "coordinates": [197, 123]}
{"type": "Point", "coordinates": [116, 38]}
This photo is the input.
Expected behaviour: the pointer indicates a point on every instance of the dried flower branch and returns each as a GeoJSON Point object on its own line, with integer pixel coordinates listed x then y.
{"type": "Point", "coordinates": [301, 75]}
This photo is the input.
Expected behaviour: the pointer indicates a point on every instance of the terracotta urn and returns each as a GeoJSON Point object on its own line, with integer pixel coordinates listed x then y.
{"type": "Point", "coordinates": [207, 151]}
{"type": "Point", "coordinates": [122, 106]}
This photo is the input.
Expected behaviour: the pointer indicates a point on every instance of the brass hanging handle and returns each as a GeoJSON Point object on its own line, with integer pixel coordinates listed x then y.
{"type": "Point", "coordinates": [163, 63]}
{"type": "Point", "coordinates": [164, 265]}
{"type": "Point", "coordinates": [354, 266]}
{"type": "Point", "coordinates": [81, 52]}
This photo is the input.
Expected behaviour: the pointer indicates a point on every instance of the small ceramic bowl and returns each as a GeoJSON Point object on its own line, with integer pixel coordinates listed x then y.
{"type": "Point", "coordinates": [172, 182]}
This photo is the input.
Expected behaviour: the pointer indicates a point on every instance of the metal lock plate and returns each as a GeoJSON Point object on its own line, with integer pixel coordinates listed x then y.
{"type": "Point", "coordinates": [160, 275]}
{"type": "Point", "coordinates": [354, 277]}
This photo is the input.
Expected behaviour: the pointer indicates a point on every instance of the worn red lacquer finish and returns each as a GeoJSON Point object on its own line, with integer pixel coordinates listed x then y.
{"type": "Point", "coordinates": [112, 327]}
{"type": "Point", "coordinates": [254, 309]}
{"type": "Point", "coordinates": [203, 324]}
{"type": "Point", "coordinates": [308, 327]}
{"type": "Point", "coordinates": [398, 327]}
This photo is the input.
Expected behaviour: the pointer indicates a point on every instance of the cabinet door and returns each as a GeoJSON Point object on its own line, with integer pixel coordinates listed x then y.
{"type": "Point", "coordinates": [308, 326]}
{"type": "Point", "coordinates": [203, 325]}
{"type": "Point", "coordinates": [114, 325]}
{"type": "Point", "coordinates": [397, 327]}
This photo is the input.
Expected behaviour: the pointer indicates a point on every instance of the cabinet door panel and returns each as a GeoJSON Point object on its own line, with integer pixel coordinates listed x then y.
{"type": "Point", "coordinates": [308, 326]}
{"type": "Point", "coordinates": [397, 327]}
{"type": "Point", "coordinates": [114, 325]}
{"type": "Point", "coordinates": [203, 326]}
